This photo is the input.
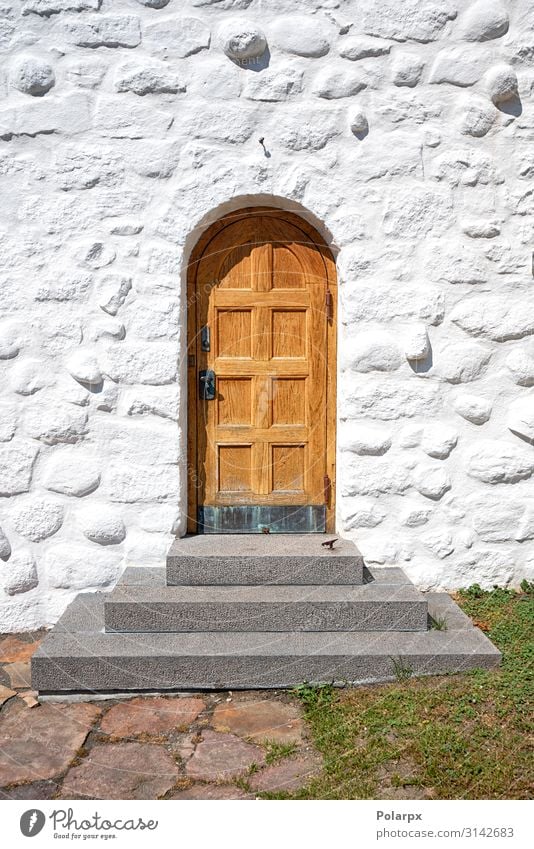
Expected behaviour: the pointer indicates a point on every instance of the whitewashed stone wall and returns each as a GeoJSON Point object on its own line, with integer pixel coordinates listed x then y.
{"type": "Point", "coordinates": [403, 129]}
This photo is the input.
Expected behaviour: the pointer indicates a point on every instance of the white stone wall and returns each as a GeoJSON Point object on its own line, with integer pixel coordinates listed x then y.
{"type": "Point", "coordinates": [403, 129]}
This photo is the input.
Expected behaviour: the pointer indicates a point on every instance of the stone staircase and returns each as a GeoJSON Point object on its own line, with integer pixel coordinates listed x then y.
{"type": "Point", "coordinates": [272, 611]}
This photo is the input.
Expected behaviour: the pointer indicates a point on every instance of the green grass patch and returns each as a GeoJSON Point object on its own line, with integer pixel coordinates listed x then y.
{"type": "Point", "coordinates": [449, 737]}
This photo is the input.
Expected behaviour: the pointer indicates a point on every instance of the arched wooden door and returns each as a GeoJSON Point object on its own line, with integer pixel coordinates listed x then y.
{"type": "Point", "coordinates": [261, 369]}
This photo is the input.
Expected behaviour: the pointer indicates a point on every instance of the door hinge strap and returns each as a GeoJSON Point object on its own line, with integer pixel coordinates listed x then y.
{"type": "Point", "coordinates": [329, 305]}
{"type": "Point", "coordinates": [327, 488]}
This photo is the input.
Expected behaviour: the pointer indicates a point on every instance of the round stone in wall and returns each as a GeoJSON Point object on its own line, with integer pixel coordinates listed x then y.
{"type": "Point", "coordinates": [36, 518]}
{"type": "Point", "coordinates": [19, 575]}
{"type": "Point", "coordinates": [101, 524]}
{"type": "Point", "coordinates": [476, 118]}
{"type": "Point", "coordinates": [5, 547]}
{"type": "Point", "coordinates": [154, 4]}
{"type": "Point", "coordinates": [501, 82]}
{"type": "Point", "coordinates": [242, 40]}
{"type": "Point", "coordinates": [33, 76]}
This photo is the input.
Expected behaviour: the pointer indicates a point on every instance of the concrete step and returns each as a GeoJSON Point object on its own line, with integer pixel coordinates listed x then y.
{"type": "Point", "coordinates": [263, 559]}
{"type": "Point", "coordinates": [371, 607]}
{"type": "Point", "coordinates": [79, 657]}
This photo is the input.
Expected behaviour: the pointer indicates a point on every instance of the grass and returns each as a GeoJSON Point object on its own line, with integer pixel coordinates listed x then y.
{"type": "Point", "coordinates": [450, 737]}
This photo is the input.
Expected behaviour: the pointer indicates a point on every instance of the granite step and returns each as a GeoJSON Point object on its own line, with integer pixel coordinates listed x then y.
{"type": "Point", "coordinates": [79, 657]}
{"type": "Point", "coordinates": [371, 607]}
{"type": "Point", "coordinates": [263, 559]}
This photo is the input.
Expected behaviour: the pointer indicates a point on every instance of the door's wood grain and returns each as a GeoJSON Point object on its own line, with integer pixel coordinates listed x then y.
{"type": "Point", "coordinates": [259, 281]}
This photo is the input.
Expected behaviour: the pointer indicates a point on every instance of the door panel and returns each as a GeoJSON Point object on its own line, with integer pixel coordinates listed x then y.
{"type": "Point", "coordinates": [260, 285]}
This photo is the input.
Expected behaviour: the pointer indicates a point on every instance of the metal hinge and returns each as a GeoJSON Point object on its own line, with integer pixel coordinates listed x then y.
{"type": "Point", "coordinates": [329, 305]}
{"type": "Point", "coordinates": [327, 488]}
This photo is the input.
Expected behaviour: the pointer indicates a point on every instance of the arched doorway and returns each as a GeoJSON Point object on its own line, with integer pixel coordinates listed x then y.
{"type": "Point", "coordinates": [262, 304]}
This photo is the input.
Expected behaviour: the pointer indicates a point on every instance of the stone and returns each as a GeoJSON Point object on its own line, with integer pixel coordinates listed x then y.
{"type": "Point", "coordinates": [103, 30]}
{"type": "Point", "coordinates": [416, 343]}
{"type": "Point", "coordinates": [36, 518]}
{"type": "Point", "coordinates": [139, 483]}
{"type": "Point", "coordinates": [242, 40]}
{"type": "Point", "coordinates": [501, 83]}
{"type": "Point", "coordinates": [160, 401]}
{"type": "Point", "coordinates": [176, 37]}
{"type": "Point", "coordinates": [407, 69]}
{"type": "Point", "coordinates": [161, 519]}
{"type": "Point", "coordinates": [488, 316]}
{"type": "Point", "coordinates": [19, 574]}
{"type": "Point", "coordinates": [290, 775]}
{"type": "Point", "coordinates": [391, 400]}
{"type": "Point", "coordinates": [476, 118]}
{"type": "Point", "coordinates": [376, 476]}
{"type": "Point", "coordinates": [483, 21]}
{"type": "Point", "coordinates": [368, 440]}
{"type": "Point", "coordinates": [300, 35]}
{"type": "Point", "coordinates": [219, 757]}
{"type": "Point", "coordinates": [262, 720]}
{"type": "Point", "coordinates": [63, 115]}
{"type": "Point", "coordinates": [101, 524]}
{"type": "Point", "coordinates": [473, 408]}
{"type": "Point", "coordinates": [14, 650]}
{"type": "Point", "coordinates": [520, 418]}
{"type": "Point", "coordinates": [28, 376]}
{"type": "Point", "coordinates": [372, 350]}
{"type": "Point", "coordinates": [462, 362]}
{"type": "Point", "coordinates": [372, 300]}
{"type": "Point", "coordinates": [495, 520]}
{"type": "Point", "coordinates": [32, 76]}
{"type": "Point", "coordinates": [359, 124]}
{"type": "Point", "coordinates": [413, 515]}
{"type": "Point", "coordinates": [494, 461]}
{"type": "Point", "coordinates": [17, 459]}
{"type": "Point", "coordinates": [32, 791]}
{"type": "Point", "coordinates": [131, 121]}
{"type": "Point", "coordinates": [151, 716]}
{"type": "Point", "coordinates": [333, 83]}
{"type": "Point", "coordinates": [439, 542]}
{"type": "Point", "coordinates": [439, 440]}
{"type": "Point", "coordinates": [154, 363]}
{"type": "Point", "coordinates": [54, 422]}
{"type": "Point", "coordinates": [356, 47]}
{"type": "Point", "coordinates": [154, 4]}
{"type": "Point", "coordinates": [364, 513]}
{"type": "Point", "coordinates": [148, 78]}
{"type": "Point", "coordinates": [42, 742]}
{"type": "Point", "coordinates": [423, 22]}
{"type": "Point", "coordinates": [83, 366]}
{"type": "Point", "coordinates": [5, 547]}
{"type": "Point", "coordinates": [422, 211]}
{"type": "Point", "coordinates": [9, 414]}
{"type": "Point", "coordinates": [211, 791]}
{"type": "Point", "coordinates": [96, 255]}
{"type": "Point", "coordinates": [5, 694]}
{"type": "Point", "coordinates": [78, 567]}
{"type": "Point", "coordinates": [10, 335]}
{"type": "Point", "coordinates": [122, 771]}
{"type": "Point", "coordinates": [87, 73]}
{"type": "Point", "coordinates": [54, 7]}
{"type": "Point", "coordinates": [311, 136]}
{"type": "Point", "coordinates": [457, 66]}
{"type": "Point", "coordinates": [273, 85]}
{"type": "Point", "coordinates": [19, 679]}
{"type": "Point", "coordinates": [112, 292]}
{"type": "Point", "coordinates": [520, 363]}
{"type": "Point", "coordinates": [477, 229]}
{"type": "Point", "coordinates": [431, 480]}
{"type": "Point", "coordinates": [72, 471]}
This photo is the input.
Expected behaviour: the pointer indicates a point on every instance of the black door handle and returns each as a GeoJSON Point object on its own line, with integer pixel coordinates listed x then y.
{"type": "Point", "coordinates": [206, 385]}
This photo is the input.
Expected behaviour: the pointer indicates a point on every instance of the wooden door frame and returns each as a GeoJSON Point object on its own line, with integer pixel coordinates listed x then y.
{"type": "Point", "coordinates": [331, 353]}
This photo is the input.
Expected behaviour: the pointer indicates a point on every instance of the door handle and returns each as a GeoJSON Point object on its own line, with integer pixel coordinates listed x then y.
{"type": "Point", "coordinates": [206, 385]}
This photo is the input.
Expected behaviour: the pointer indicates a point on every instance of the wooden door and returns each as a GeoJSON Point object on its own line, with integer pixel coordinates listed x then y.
{"type": "Point", "coordinates": [261, 328]}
